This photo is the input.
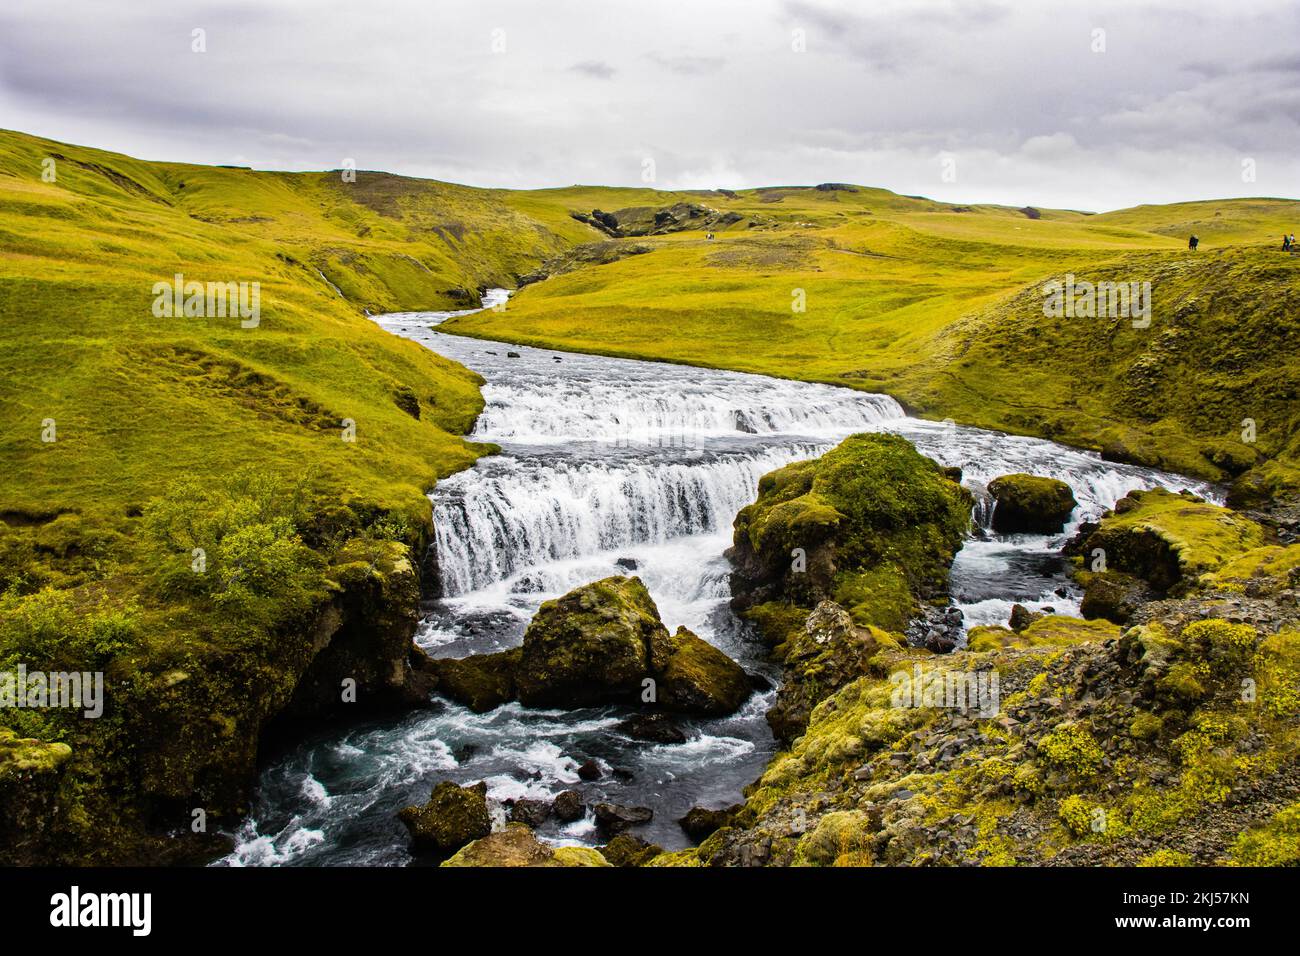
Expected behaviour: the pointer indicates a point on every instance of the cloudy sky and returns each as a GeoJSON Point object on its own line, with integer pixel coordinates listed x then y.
{"type": "Point", "coordinates": [1089, 105]}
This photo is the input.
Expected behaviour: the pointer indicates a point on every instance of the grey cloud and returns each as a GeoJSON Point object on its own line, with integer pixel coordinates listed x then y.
{"type": "Point", "coordinates": [689, 65]}
{"type": "Point", "coordinates": [1013, 91]}
{"type": "Point", "coordinates": [596, 68]}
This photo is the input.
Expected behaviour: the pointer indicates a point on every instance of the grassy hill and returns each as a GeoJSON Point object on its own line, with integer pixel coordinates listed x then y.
{"type": "Point", "coordinates": [942, 307]}
{"type": "Point", "coordinates": [174, 435]}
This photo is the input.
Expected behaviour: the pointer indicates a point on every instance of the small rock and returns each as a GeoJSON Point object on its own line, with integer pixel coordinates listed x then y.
{"type": "Point", "coordinates": [568, 806]}
{"type": "Point", "coordinates": [590, 770]}
{"type": "Point", "coordinates": [658, 728]}
{"type": "Point", "coordinates": [615, 818]}
{"type": "Point", "coordinates": [531, 812]}
{"type": "Point", "coordinates": [700, 822]}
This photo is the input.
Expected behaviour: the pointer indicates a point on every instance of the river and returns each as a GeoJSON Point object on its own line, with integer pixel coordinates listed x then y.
{"type": "Point", "coordinates": [612, 466]}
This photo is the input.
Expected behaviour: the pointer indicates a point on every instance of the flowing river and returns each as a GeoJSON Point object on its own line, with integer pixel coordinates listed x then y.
{"type": "Point", "coordinates": [611, 466]}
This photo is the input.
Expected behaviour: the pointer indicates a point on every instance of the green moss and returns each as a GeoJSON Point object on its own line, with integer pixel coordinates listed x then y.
{"type": "Point", "coordinates": [1145, 725]}
{"type": "Point", "coordinates": [1166, 857]}
{"type": "Point", "coordinates": [19, 756]}
{"type": "Point", "coordinates": [1077, 814]}
{"type": "Point", "coordinates": [841, 838]}
{"type": "Point", "coordinates": [1053, 630]}
{"type": "Point", "coordinates": [1260, 571]}
{"type": "Point", "coordinates": [1072, 748]}
{"type": "Point", "coordinates": [1275, 843]}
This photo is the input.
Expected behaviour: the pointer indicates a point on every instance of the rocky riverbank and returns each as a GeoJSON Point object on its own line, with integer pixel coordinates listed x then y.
{"type": "Point", "coordinates": [1171, 739]}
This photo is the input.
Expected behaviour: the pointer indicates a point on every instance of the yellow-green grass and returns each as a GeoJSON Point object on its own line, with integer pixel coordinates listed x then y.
{"type": "Point", "coordinates": [944, 310]}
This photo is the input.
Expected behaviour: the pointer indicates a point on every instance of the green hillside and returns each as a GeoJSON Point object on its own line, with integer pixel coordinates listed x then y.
{"type": "Point", "coordinates": [942, 307]}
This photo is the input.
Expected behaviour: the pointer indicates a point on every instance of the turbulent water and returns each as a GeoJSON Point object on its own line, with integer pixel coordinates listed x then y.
{"type": "Point", "coordinates": [610, 466]}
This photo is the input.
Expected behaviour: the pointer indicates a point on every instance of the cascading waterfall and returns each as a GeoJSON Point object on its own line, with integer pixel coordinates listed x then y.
{"type": "Point", "coordinates": [611, 466]}
{"type": "Point", "coordinates": [515, 513]}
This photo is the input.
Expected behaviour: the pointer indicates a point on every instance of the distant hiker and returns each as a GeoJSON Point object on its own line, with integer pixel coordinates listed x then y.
{"type": "Point", "coordinates": [1286, 242]}
{"type": "Point", "coordinates": [1291, 239]}
{"type": "Point", "coordinates": [1192, 243]}
{"type": "Point", "coordinates": [709, 236]}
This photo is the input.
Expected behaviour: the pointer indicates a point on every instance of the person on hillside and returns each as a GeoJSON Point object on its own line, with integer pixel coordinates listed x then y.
{"type": "Point", "coordinates": [1291, 239]}
{"type": "Point", "coordinates": [1192, 243]}
{"type": "Point", "coordinates": [1286, 242]}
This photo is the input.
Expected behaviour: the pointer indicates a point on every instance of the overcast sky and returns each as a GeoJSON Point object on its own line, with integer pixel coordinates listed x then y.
{"type": "Point", "coordinates": [1018, 102]}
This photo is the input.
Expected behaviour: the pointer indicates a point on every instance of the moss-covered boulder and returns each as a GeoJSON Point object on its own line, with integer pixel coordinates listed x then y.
{"type": "Point", "coordinates": [481, 682]}
{"type": "Point", "coordinates": [516, 846]}
{"type": "Point", "coordinates": [872, 525]}
{"type": "Point", "coordinates": [829, 651]}
{"type": "Point", "coordinates": [1030, 504]}
{"type": "Point", "coordinates": [1166, 538]}
{"type": "Point", "coordinates": [1157, 542]}
{"type": "Point", "coordinates": [30, 773]}
{"type": "Point", "coordinates": [695, 677]}
{"type": "Point", "coordinates": [591, 646]}
{"type": "Point", "coordinates": [452, 817]}
{"type": "Point", "coordinates": [602, 643]}
{"type": "Point", "coordinates": [629, 850]}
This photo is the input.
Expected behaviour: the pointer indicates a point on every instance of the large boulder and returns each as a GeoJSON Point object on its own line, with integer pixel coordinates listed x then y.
{"type": "Point", "coordinates": [872, 525]}
{"type": "Point", "coordinates": [1031, 504]}
{"type": "Point", "coordinates": [452, 817]}
{"type": "Point", "coordinates": [592, 646]}
{"type": "Point", "coordinates": [695, 677]}
{"type": "Point", "coordinates": [1028, 504]}
{"type": "Point", "coordinates": [481, 681]}
{"type": "Point", "coordinates": [601, 643]}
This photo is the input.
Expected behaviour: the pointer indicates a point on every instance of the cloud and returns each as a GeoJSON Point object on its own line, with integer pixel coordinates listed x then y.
{"type": "Point", "coordinates": [596, 68]}
{"type": "Point", "coordinates": [716, 94]}
{"type": "Point", "coordinates": [689, 65]}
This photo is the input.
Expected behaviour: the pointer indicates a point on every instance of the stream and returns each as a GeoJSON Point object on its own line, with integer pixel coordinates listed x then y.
{"type": "Point", "coordinates": [613, 466]}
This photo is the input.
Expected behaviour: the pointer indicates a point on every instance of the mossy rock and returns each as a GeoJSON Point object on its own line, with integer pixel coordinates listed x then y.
{"type": "Point", "coordinates": [1031, 504]}
{"type": "Point", "coordinates": [481, 682]}
{"type": "Point", "coordinates": [828, 652]}
{"type": "Point", "coordinates": [516, 846]}
{"type": "Point", "coordinates": [1170, 540]}
{"type": "Point", "coordinates": [453, 817]}
{"type": "Point", "coordinates": [696, 677]}
{"type": "Point", "coordinates": [629, 850]}
{"type": "Point", "coordinates": [872, 525]}
{"type": "Point", "coordinates": [604, 643]}
{"type": "Point", "coordinates": [591, 646]}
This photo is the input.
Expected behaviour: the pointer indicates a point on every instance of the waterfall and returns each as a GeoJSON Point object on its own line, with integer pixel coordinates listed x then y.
{"type": "Point", "coordinates": [509, 514]}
